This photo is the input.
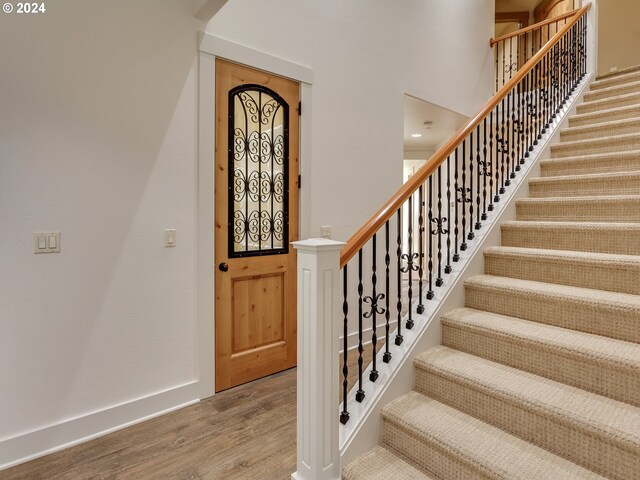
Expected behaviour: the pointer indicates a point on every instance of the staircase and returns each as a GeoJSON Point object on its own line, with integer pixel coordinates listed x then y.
{"type": "Point", "coordinates": [538, 376]}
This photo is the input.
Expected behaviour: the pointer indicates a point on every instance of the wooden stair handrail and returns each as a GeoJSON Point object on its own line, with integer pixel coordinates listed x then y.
{"type": "Point", "coordinates": [493, 41]}
{"type": "Point", "coordinates": [362, 236]}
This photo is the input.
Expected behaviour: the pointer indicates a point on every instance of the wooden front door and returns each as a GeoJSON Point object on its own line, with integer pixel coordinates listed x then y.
{"type": "Point", "coordinates": [256, 217]}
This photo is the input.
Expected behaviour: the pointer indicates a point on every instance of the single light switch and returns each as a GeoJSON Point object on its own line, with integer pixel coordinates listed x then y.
{"type": "Point", "coordinates": [53, 242]}
{"type": "Point", "coordinates": [42, 242]}
{"type": "Point", "coordinates": [170, 237]}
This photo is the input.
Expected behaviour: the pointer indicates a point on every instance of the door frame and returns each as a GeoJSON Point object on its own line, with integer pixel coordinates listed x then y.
{"type": "Point", "coordinates": [212, 47]}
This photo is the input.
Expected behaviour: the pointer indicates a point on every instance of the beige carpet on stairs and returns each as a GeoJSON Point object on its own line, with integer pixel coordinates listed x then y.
{"type": "Point", "coordinates": [538, 376]}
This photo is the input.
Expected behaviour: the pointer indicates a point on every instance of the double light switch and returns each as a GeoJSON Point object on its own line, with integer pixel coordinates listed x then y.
{"type": "Point", "coordinates": [46, 242]}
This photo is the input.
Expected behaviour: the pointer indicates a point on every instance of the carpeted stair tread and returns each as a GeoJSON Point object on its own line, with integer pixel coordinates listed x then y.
{"type": "Point", "coordinates": [628, 161]}
{"type": "Point", "coordinates": [455, 445]}
{"type": "Point", "coordinates": [614, 143]}
{"type": "Point", "coordinates": [619, 238]}
{"type": "Point", "coordinates": [617, 79]}
{"type": "Point", "coordinates": [612, 314]}
{"type": "Point", "coordinates": [590, 184]}
{"type": "Point", "coordinates": [594, 363]}
{"type": "Point", "coordinates": [599, 130]}
{"type": "Point", "coordinates": [612, 91]}
{"type": "Point", "coordinates": [583, 427]}
{"type": "Point", "coordinates": [606, 115]}
{"type": "Point", "coordinates": [381, 463]}
{"type": "Point", "coordinates": [608, 103]}
{"type": "Point", "coordinates": [613, 208]}
{"type": "Point", "coordinates": [603, 271]}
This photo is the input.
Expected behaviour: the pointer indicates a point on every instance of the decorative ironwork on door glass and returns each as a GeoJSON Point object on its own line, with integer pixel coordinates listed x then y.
{"type": "Point", "coordinates": [258, 172]}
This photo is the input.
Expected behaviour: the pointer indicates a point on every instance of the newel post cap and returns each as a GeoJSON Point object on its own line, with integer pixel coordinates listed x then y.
{"type": "Point", "coordinates": [318, 245]}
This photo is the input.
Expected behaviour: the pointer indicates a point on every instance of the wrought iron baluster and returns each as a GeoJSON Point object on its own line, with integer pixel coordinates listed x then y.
{"type": "Point", "coordinates": [447, 268]}
{"type": "Point", "coordinates": [462, 198]}
{"type": "Point", "coordinates": [471, 235]}
{"type": "Point", "coordinates": [420, 308]}
{"type": "Point", "coordinates": [360, 392]}
{"type": "Point", "coordinates": [483, 169]}
{"type": "Point", "coordinates": [411, 265]}
{"type": "Point", "coordinates": [478, 225]}
{"type": "Point", "coordinates": [492, 160]}
{"type": "Point", "coordinates": [456, 255]}
{"type": "Point", "coordinates": [501, 146]}
{"type": "Point", "coordinates": [399, 339]}
{"type": "Point", "coordinates": [430, 247]}
{"type": "Point", "coordinates": [508, 142]}
{"type": "Point", "coordinates": [375, 308]}
{"type": "Point", "coordinates": [515, 164]}
{"type": "Point", "coordinates": [439, 226]}
{"type": "Point", "coordinates": [344, 414]}
{"type": "Point", "coordinates": [386, 357]}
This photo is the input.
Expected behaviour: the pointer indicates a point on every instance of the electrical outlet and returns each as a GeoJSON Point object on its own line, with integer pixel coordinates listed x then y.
{"type": "Point", "coordinates": [325, 231]}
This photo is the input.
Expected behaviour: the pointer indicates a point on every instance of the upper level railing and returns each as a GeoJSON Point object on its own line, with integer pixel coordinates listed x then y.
{"type": "Point", "coordinates": [423, 228]}
{"type": "Point", "coordinates": [513, 50]}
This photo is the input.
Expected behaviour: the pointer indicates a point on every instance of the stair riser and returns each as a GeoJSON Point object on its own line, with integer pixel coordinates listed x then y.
{"type": "Point", "coordinates": [623, 242]}
{"type": "Point", "coordinates": [599, 146]}
{"type": "Point", "coordinates": [558, 435]}
{"type": "Point", "coordinates": [591, 374]}
{"type": "Point", "coordinates": [593, 119]}
{"type": "Point", "coordinates": [601, 94]}
{"type": "Point", "coordinates": [591, 165]}
{"type": "Point", "coordinates": [575, 314]}
{"type": "Point", "coordinates": [622, 212]}
{"type": "Point", "coordinates": [606, 105]}
{"type": "Point", "coordinates": [600, 276]}
{"type": "Point", "coordinates": [614, 81]}
{"type": "Point", "coordinates": [632, 126]}
{"type": "Point", "coordinates": [591, 187]}
{"type": "Point", "coordinates": [430, 456]}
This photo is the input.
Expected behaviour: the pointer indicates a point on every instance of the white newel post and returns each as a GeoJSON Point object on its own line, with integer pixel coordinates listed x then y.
{"type": "Point", "coordinates": [319, 308]}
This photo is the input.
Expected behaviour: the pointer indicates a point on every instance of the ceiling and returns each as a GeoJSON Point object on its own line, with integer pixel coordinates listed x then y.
{"type": "Point", "coordinates": [445, 124]}
{"type": "Point", "coordinates": [516, 5]}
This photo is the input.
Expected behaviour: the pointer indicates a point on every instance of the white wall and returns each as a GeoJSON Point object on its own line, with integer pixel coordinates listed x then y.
{"type": "Point", "coordinates": [97, 140]}
{"type": "Point", "coordinates": [98, 122]}
{"type": "Point", "coordinates": [365, 56]}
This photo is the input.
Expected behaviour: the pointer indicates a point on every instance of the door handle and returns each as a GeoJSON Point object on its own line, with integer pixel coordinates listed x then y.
{"type": "Point", "coordinates": [223, 267]}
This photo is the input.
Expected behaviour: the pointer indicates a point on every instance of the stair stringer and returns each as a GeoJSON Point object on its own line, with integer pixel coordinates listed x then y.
{"type": "Point", "coordinates": [364, 430]}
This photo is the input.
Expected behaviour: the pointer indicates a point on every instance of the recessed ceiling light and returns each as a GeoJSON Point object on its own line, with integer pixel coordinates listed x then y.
{"type": "Point", "coordinates": [416, 135]}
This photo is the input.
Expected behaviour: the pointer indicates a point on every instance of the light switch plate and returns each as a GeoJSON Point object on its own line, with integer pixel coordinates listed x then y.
{"type": "Point", "coordinates": [170, 237]}
{"type": "Point", "coordinates": [325, 231]}
{"type": "Point", "coordinates": [46, 242]}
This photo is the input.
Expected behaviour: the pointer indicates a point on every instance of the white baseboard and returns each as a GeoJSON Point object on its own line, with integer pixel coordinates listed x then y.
{"type": "Point", "coordinates": [49, 439]}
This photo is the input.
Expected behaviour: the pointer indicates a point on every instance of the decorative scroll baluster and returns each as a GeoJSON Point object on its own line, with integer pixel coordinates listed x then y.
{"type": "Point", "coordinates": [360, 392]}
{"type": "Point", "coordinates": [398, 339]}
{"type": "Point", "coordinates": [447, 268]}
{"type": "Point", "coordinates": [344, 414]}
{"type": "Point", "coordinates": [411, 264]}
{"type": "Point", "coordinates": [375, 309]}
{"type": "Point", "coordinates": [439, 226]}
{"type": "Point", "coordinates": [420, 308]}
{"type": "Point", "coordinates": [386, 357]}
{"type": "Point", "coordinates": [430, 247]}
{"type": "Point", "coordinates": [501, 147]}
{"type": "Point", "coordinates": [462, 197]}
